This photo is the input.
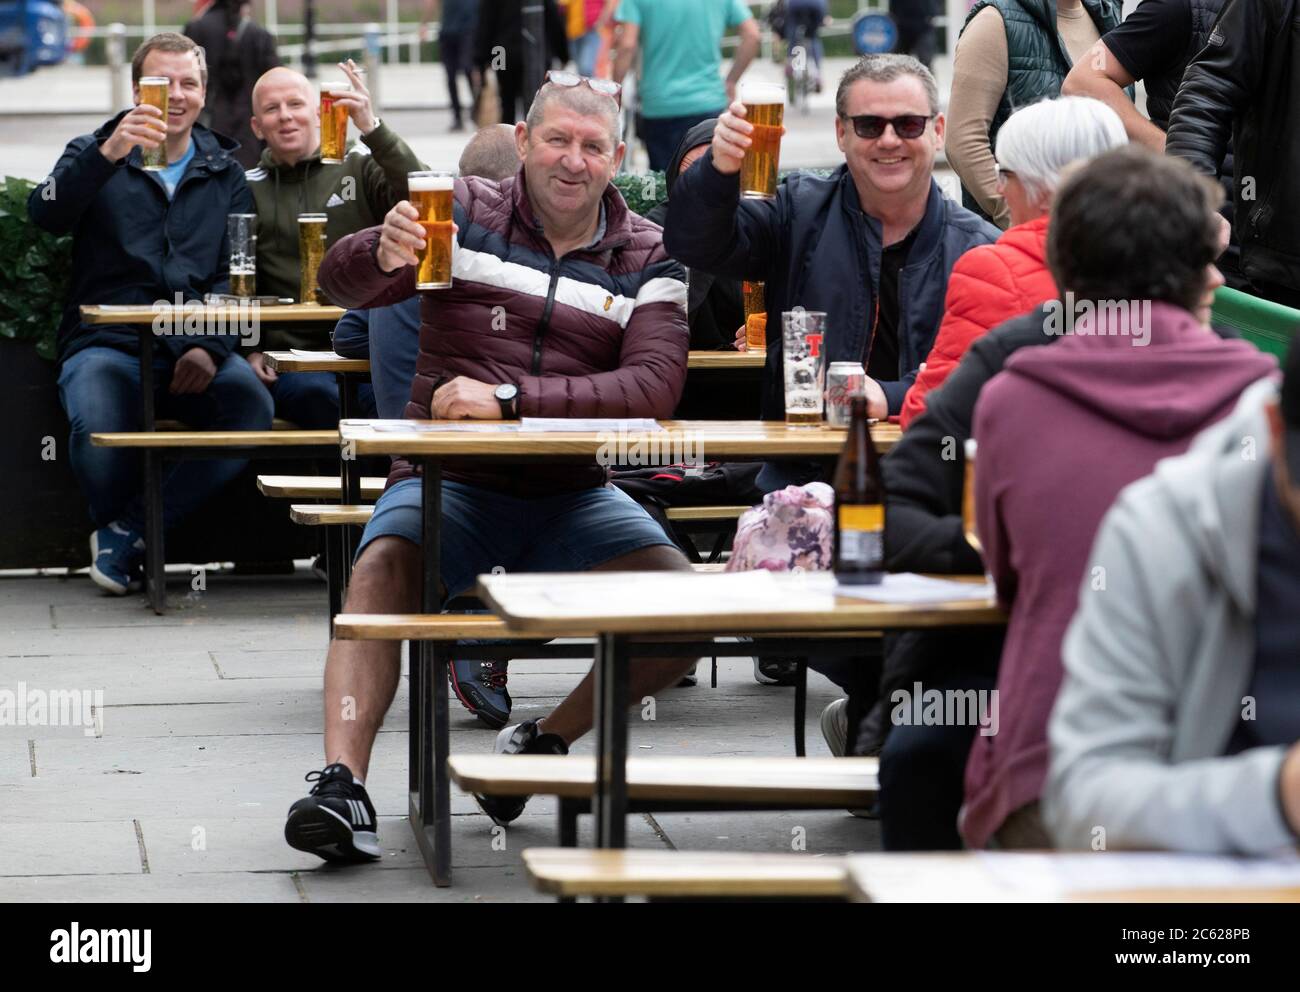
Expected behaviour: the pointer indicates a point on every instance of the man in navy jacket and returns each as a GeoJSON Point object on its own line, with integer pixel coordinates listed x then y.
{"type": "Point", "coordinates": [871, 245]}
{"type": "Point", "coordinates": [140, 238]}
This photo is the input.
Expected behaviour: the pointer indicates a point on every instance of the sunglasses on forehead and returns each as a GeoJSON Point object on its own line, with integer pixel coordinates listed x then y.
{"type": "Point", "coordinates": [605, 87]}
{"type": "Point", "coordinates": [907, 126]}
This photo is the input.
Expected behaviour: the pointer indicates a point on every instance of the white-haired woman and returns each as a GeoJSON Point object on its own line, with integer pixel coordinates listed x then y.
{"type": "Point", "coordinates": [996, 282]}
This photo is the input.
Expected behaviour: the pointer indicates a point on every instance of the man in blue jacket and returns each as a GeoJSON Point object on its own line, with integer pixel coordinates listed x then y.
{"type": "Point", "coordinates": [871, 245]}
{"type": "Point", "coordinates": [139, 238]}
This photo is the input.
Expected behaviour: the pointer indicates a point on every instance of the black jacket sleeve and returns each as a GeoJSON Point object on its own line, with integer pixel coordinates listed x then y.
{"type": "Point", "coordinates": [56, 205]}
{"type": "Point", "coordinates": [352, 334]}
{"type": "Point", "coordinates": [709, 227]}
{"type": "Point", "coordinates": [1220, 83]}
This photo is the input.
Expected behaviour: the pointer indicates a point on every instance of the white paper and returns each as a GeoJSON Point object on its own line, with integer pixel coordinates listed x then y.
{"type": "Point", "coordinates": [588, 425]}
{"type": "Point", "coordinates": [910, 588]}
{"type": "Point", "coordinates": [317, 356]}
{"type": "Point", "coordinates": [454, 426]}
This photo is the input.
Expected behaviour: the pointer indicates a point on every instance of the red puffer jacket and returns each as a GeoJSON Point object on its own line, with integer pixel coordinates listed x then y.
{"type": "Point", "coordinates": [599, 333]}
{"type": "Point", "coordinates": [989, 284]}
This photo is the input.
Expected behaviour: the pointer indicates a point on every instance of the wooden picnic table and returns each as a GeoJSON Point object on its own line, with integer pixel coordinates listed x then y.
{"type": "Point", "coordinates": [290, 361]}
{"type": "Point", "coordinates": [428, 443]}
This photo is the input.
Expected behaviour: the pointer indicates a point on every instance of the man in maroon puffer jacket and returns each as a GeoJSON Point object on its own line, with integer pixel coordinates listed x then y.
{"type": "Point", "coordinates": [564, 304]}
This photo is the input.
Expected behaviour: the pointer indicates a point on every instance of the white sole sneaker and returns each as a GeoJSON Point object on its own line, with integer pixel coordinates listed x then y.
{"type": "Point", "coordinates": [835, 726]}
{"type": "Point", "coordinates": [99, 578]}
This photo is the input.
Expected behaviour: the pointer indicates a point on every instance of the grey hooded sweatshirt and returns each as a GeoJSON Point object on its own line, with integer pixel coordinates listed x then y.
{"type": "Point", "coordinates": [1159, 656]}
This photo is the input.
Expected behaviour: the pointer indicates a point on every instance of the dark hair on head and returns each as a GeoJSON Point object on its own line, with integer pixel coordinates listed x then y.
{"type": "Point", "coordinates": [1132, 224]}
{"type": "Point", "coordinates": [167, 41]}
{"type": "Point", "coordinates": [885, 69]}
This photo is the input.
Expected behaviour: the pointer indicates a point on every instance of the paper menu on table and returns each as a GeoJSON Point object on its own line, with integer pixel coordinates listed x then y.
{"type": "Point", "coordinates": [316, 356]}
{"type": "Point", "coordinates": [587, 425]}
{"type": "Point", "coordinates": [908, 588]}
{"type": "Point", "coordinates": [431, 427]}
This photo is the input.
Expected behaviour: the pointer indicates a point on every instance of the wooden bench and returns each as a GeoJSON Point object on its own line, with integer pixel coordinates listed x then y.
{"type": "Point", "coordinates": [324, 487]}
{"type": "Point", "coordinates": [674, 784]}
{"type": "Point", "coordinates": [570, 873]}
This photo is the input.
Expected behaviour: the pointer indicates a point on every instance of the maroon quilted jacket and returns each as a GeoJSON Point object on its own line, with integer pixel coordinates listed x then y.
{"type": "Point", "coordinates": [599, 333]}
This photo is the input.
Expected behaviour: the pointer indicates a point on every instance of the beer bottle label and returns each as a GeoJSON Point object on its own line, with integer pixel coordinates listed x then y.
{"type": "Point", "coordinates": [862, 534]}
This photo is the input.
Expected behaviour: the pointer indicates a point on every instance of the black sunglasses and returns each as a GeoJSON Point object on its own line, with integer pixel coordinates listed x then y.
{"type": "Point", "coordinates": [907, 126]}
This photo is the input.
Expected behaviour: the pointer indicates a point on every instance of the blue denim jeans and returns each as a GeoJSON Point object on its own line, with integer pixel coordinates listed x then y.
{"type": "Point", "coordinates": [311, 399]}
{"type": "Point", "coordinates": [100, 391]}
{"type": "Point", "coordinates": [585, 51]}
{"type": "Point", "coordinates": [662, 135]}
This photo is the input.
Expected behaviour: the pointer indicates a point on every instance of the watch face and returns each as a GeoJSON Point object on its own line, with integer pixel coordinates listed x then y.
{"type": "Point", "coordinates": [506, 392]}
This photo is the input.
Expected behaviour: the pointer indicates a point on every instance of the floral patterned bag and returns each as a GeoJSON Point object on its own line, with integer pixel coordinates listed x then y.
{"type": "Point", "coordinates": [794, 528]}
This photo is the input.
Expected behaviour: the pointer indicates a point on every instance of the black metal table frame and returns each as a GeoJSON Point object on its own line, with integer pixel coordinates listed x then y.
{"type": "Point", "coordinates": [155, 558]}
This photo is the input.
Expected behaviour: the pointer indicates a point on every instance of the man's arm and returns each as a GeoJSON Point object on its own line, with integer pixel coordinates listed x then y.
{"type": "Point", "coordinates": [990, 487]}
{"type": "Point", "coordinates": [629, 35]}
{"type": "Point", "coordinates": [1113, 726]}
{"type": "Point", "coordinates": [384, 173]}
{"type": "Point", "coordinates": [745, 52]}
{"type": "Point", "coordinates": [980, 67]}
{"type": "Point", "coordinates": [351, 274]}
{"type": "Point", "coordinates": [56, 204]}
{"type": "Point", "coordinates": [652, 362]}
{"type": "Point", "coordinates": [351, 335]}
{"type": "Point", "coordinates": [1100, 75]}
{"type": "Point", "coordinates": [1220, 82]}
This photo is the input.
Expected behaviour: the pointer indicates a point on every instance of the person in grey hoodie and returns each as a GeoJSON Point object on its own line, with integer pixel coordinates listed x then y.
{"type": "Point", "coordinates": [1178, 721]}
{"type": "Point", "coordinates": [1136, 375]}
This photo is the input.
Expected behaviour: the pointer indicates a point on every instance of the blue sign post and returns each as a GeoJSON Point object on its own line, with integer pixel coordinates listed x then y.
{"type": "Point", "coordinates": [874, 34]}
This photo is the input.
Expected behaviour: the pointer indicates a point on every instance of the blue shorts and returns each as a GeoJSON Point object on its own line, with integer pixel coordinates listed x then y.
{"type": "Point", "coordinates": [483, 529]}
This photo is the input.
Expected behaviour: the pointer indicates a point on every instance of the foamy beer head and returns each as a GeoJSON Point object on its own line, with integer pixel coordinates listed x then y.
{"type": "Point", "coordinates": [153, 91]}
{"type": "Point", "coordinates": [333, 122]}
{"type": "Point", "coordinates": [765, 109]}
{"type": "Point", "coordinates": [431, 195]}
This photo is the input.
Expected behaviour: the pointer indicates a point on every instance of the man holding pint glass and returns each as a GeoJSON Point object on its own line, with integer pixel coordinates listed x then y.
{"type": "Point", "coordinates": [309, 195]}
{"type": "Point", "coordinates": [141, 237]}
{"type": "Point", "coordinates": [871, 246]}
{"type": "Point", "coordinates": [562, 303]}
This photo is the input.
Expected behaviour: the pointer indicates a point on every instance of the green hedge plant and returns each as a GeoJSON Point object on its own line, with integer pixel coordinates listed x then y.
{"type": "Point", "coordinates": [34, 271]}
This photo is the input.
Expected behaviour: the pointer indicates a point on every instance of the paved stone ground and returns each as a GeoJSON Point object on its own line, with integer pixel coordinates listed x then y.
{"type": "Point", "coordinates": [211, 717]}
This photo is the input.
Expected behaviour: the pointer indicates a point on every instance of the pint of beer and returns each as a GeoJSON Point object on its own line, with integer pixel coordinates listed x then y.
{"type": "Point", "coordinates": [153, 91]}
{"type": "Point", "coordinates": [755, 317]}
{"type": "Point", "coordinates": [765, 109]}
{"type": "Point", "coordinates": [241, 231]}
{"type": "Point", "coordinates": [431, 195]}
{"type": "Point", "coordinates": [311, 250]}
{"type": "Point", "coordinates": [968, 498]}
{"type": "Point", "coordinates": [333, 123]}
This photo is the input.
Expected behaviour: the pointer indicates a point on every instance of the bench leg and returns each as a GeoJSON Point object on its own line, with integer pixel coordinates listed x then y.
{"type": "Point", "coordinates": [570, 809]}
{"type": "Point", "coordinates": [155, 561]}
{"type": "Point", "coordinates": [441, 775]}
{"type": "Point", "coordinates": [611, 740]}
{"type": "Point", "coordinates": [800, 706]}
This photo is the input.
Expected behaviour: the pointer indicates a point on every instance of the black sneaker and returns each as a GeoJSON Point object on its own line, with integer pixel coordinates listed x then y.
{"type": "Point", "coordinates": [481, 688]}
{"type": "Point", "coordinates": [337, 821]}
{"type": "Point", "coordinates": [776, 671]}
{"type": "Point", "coordinates": [522, 738]}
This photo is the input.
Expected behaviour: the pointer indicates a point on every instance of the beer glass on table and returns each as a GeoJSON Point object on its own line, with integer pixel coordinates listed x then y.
{"type": "Point", "coordinates": [241, 230]}
{"type": "Point", "coordinates": [311, 250]}
{"type": "Point", "coordinates": [333, 123]}
{"type": "Point", "coordinates": [755, 317]}
{"type": "Point", "coordinates": [153, 91]}
{"type": "Point", "coordinates": [968, 498]}
{"type": "Point", "coordinates": [765, 109]}
{"type": "Point", "coordinates": [802, 332]}
{"type": "Point", "coordinates": [431, 195]}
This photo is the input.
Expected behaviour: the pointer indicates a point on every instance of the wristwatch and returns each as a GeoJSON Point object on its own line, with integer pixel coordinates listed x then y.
{"type": "Point", "coordinates": [506, 395]}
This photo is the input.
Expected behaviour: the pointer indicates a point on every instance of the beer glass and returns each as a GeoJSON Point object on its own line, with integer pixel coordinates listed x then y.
{"type": "Point", "coordinates": [153, 91]}
{"type": "Point", "coordinates": [765, 109]}
{"type": "Point", "coordinates": [431, 195]}
{"type": "Point", "coordinates": [333, 123]}
{"type": "Point", "coordinates": [968, 499]}
{"type": "Point", "coordinates": [241, 230]}
{"type": "Point", "coordinates": [311, 249]}
{"type": "Point", "coordinates": [755, 317]}
{"type": "Point", "coordinates": [802, 332]}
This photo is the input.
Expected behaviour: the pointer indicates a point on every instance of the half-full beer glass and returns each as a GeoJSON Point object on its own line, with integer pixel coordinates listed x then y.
{"type": "Point", "coordinates": [431, 195]}
{"type": "Point", "coordinates": [333, 123]}
{"type": "Point", "coordinates": [241, 230]}
{"type": "Point", "coordinates": [802, 333]}
{"type": "Point", "coordinates": [311, 250]}
{"type": "Point", "coordinates": [755, 317]}
{"type": "Point", "coordinates": [153, 91]}
{"type": "Point", "coordinates": [765, 109]}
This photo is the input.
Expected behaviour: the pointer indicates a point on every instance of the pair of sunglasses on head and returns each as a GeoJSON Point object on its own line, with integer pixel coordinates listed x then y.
{"type": "Point", "coordinates": [906, 126]}
{"type": "Point", "coordinates": [605, 87]}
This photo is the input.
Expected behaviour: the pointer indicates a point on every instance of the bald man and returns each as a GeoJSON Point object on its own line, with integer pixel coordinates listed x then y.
{"type": "Point", "coordinates": [491, 153]}
{"type": "Point", "coordinates": [290, 180]}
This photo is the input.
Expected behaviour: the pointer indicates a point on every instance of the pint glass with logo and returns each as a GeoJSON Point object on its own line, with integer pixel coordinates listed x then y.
{"type": "Point", "coordinates": [431, 195]}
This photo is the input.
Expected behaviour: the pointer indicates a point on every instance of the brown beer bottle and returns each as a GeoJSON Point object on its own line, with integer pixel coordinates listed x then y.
{"type": "Point", "coordinates": [859, 505]}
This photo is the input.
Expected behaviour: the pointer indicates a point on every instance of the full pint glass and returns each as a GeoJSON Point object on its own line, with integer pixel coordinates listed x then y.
{"type": "Point", "coordinates": [968, 498]}
{"type": "Point", "coordinates": [311, 249]}
{"type": "Point", "coordinates": [755, 317]}
{"type": "Point", "coordinates": [153, 91]}
{"type": "Point", "coordinates": [241, 229]}
{"type": "Point", "coordinates": [333, 123]}
{"type": "Point", "coordinates": [430, 194]}
{"type": "Point", "coordinates": [765, 109]}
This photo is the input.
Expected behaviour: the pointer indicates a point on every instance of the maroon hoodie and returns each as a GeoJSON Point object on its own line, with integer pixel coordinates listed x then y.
{"type": "Point", "coordinates": [1061, 431]}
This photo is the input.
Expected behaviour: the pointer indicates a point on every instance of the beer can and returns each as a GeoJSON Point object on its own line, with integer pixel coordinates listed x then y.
{"type": "Point", "coordinates": [844, 380]}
